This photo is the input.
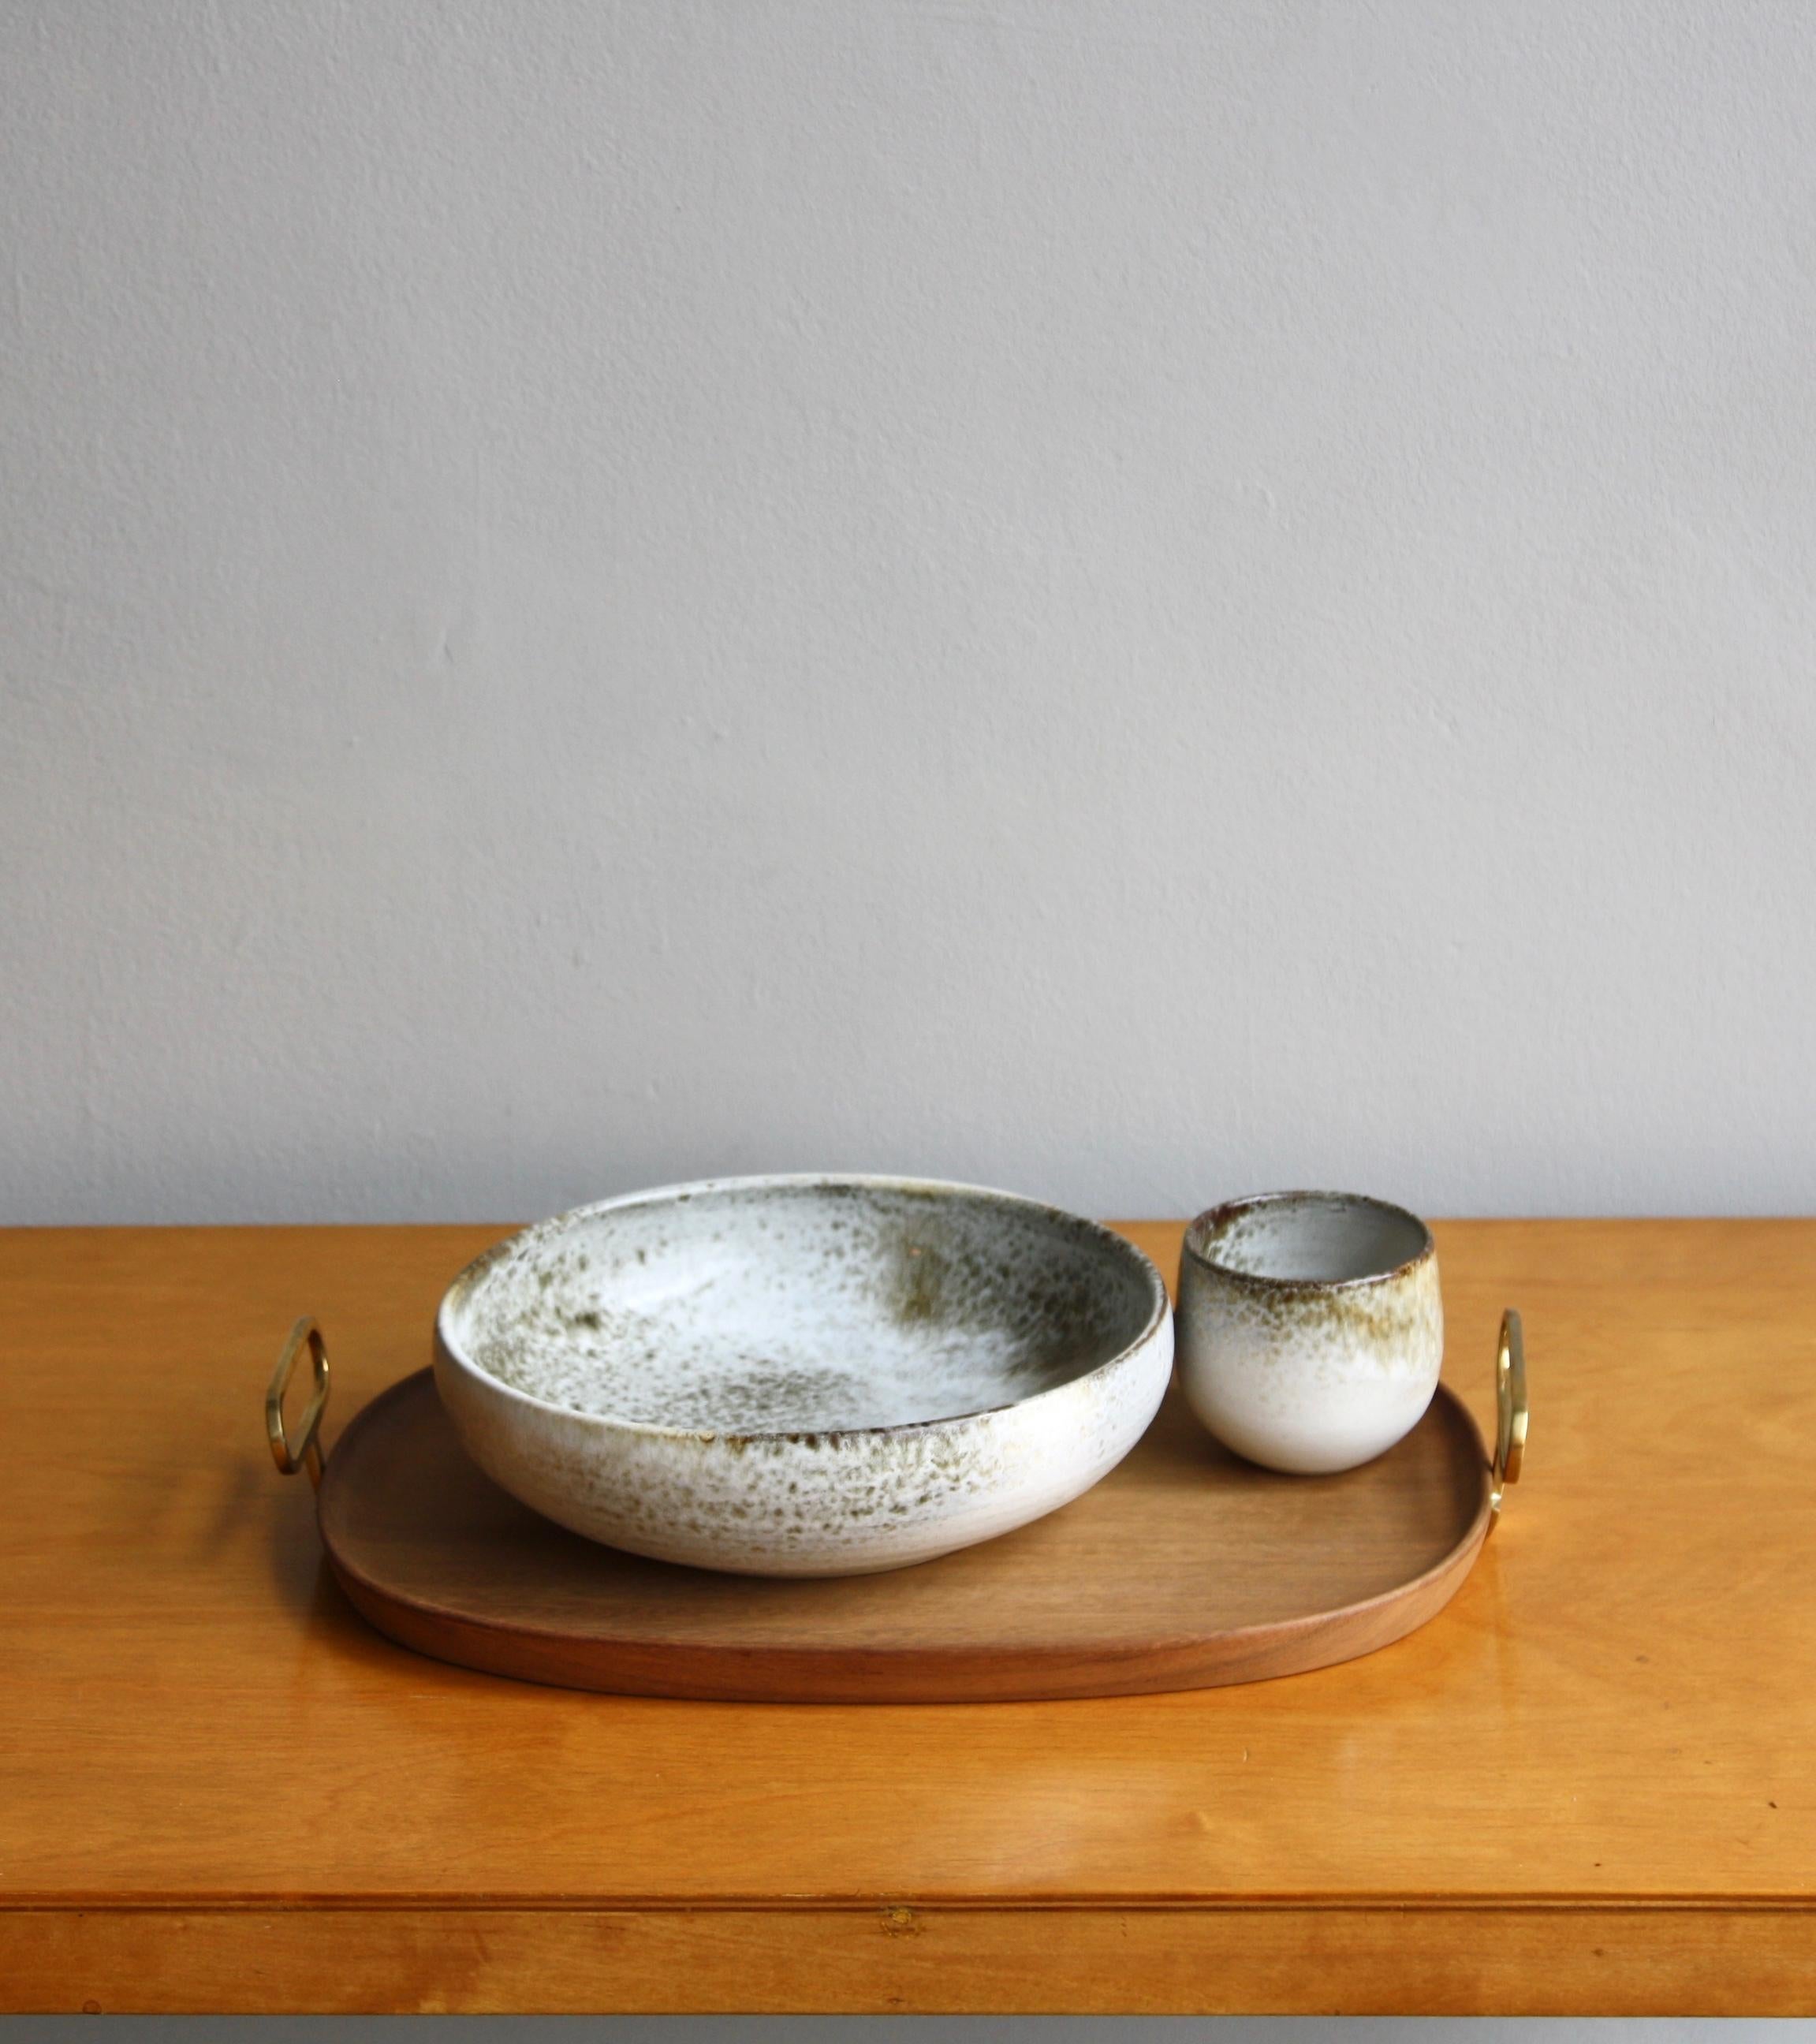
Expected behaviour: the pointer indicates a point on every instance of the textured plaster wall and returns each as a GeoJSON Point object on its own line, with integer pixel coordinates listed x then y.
{"type": "Point", "coordinates": [1134, 600]}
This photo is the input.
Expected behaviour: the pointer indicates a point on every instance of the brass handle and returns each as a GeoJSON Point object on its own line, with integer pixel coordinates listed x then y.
{"type": "Point", "coordinates": [1510, 1395]}
{"type": "Point", "coordinates": [307, 1452]}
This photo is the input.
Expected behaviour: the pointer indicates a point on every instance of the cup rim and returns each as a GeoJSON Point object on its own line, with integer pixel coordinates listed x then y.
{"type": "Point", "coordinates": [1228, 1209]}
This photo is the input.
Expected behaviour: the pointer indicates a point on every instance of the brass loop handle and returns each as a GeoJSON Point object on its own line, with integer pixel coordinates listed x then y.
{"type": "Point", "coordinates": [1510, 1398]}
{"type": "Point", "coordinates": [306, 1453]}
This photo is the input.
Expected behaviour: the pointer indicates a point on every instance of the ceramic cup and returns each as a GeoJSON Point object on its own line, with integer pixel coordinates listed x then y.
{"type": "Point", "coordinates": [1309, 1327]}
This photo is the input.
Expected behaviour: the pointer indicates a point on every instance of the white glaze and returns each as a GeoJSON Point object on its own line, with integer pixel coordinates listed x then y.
{"type": "Point", "coordinates": [1310, 1328]}
{"type": "Point", "coordinates": [803, 1376]}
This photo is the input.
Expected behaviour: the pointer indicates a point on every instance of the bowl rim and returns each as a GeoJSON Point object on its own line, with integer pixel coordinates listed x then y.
{"type": "Point", "coordinates": [1158, 1318]}
{"type": "Point", "coordinates": [1227, 1209]}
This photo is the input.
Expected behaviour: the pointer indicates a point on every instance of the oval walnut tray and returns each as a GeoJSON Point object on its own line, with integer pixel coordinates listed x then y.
{"type": "Point", "coordinates": [1183, 1569]}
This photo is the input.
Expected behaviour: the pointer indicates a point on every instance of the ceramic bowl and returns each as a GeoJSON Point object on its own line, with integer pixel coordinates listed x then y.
{"type": "Point", "coordinates": [1310, 1328]}
{"type": "Point", "coordinates": [803, 1376]}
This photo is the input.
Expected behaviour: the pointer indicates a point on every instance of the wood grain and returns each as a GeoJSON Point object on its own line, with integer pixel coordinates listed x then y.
{"type": "Point", "coordinates": [1341, 1960]}
{"type": "Point", "coordinates": [1185, 1568]}
{"type": "Point", "coordinates": [1614, 1722]}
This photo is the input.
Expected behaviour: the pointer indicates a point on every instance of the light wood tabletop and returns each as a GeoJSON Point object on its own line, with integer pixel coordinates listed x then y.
{"type": "Point", "coordinates": [1588, 1785]}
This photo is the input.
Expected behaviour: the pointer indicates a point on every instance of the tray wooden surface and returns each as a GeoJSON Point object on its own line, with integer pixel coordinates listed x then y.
{"type": "Point", "coordinates": [1185, 1569]}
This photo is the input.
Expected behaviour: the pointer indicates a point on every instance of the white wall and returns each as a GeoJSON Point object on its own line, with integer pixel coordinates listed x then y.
{"type": "Point", "coordinates": [1135, 600]}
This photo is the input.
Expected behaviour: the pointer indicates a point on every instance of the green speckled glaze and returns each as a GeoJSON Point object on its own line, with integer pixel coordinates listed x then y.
{"type": "Point", "coordinates": [803, 1376]}
{"type": "Point", "coordinates": [1310, 1326]}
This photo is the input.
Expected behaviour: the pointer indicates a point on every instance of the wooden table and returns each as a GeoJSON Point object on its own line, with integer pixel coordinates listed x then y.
{"type": "Point", "coordinates": [1589, 1785]}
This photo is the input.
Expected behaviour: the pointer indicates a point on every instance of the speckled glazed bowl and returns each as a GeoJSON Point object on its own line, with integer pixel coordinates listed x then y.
{"type": "Point", "coordinates": [1310, 1329]}
{"type": "Point", "coordinates": [803, 1376]}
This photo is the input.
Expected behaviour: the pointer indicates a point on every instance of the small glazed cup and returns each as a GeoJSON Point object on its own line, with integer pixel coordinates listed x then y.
{"type": "Point", "coordinates": [1309, 1327]}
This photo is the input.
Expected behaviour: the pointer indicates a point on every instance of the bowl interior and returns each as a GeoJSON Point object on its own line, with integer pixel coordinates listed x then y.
{"type": "Point", "coordinates": [1309, 1238]}
{"type": "Point", "coordinates": [792, 1307]}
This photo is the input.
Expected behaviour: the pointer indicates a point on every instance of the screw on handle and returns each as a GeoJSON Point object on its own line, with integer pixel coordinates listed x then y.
{"type": "Point", "coordinates": [1510, 1396]}
{"type": "Point", "coordinates": [307, 1452]}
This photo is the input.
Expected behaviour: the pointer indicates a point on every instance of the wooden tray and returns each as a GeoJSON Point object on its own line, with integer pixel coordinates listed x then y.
{"type": "Point", "coordinates": [1183, 1569]}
